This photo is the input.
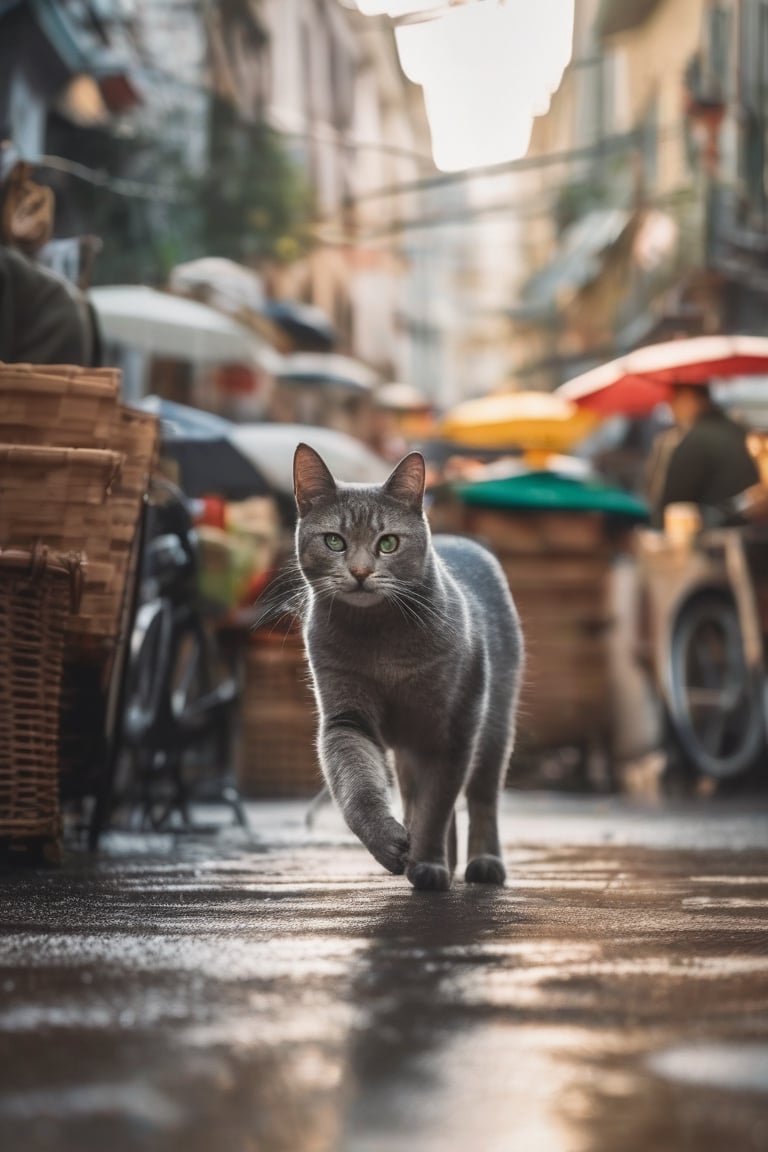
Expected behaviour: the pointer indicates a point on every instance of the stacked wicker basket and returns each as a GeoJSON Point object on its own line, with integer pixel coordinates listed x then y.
{"type": "Point", "coordinates": [74, 467]}
{"type": "Point", "coordinates": [279, 719]}
{"type": "Point", "coordinates": [559, 567]}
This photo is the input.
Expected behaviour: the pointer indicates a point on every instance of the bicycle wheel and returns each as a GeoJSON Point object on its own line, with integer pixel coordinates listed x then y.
{"type": "Point", "coordinates": [146, 698]}
{"type": "Point", "coordinates": [714, 698]}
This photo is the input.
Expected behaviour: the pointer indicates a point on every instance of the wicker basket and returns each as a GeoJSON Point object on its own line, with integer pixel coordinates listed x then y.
{"type": "Point", "coordinates": [136, 437]}
{"type": "Point", "coordinates": [65, 406]}
{"type": "Point", "coordinates": [279, 721]}
{"type": "Point", "coordinates": [61, 496]}
{"type": "Point", "coordinates": [59, 406]}
{"type": "Point", "coordinates": [38, 591]}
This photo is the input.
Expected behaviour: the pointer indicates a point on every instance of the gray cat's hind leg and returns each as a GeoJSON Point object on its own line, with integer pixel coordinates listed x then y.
{"type": "Point", "coordinates": [452, 843]}
{"type": "Point", "coordinates": [484, 857]}
{"type": "Point", "coordinates": [428, 875]}
{"type": "Point", "coordinates": [486, 869]}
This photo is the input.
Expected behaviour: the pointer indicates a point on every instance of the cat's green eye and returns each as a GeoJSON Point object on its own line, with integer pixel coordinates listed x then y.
{"type": "Point", "coordinates": [388, 544]}
{"type": "Point", "coordinates": [335, 542]}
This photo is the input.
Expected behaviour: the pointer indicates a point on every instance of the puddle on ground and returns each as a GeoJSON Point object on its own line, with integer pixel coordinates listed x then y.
{"type": "Point", "coordinates": [134, 1100]}
{"type": "Point", "coordinates": [732, 1067]}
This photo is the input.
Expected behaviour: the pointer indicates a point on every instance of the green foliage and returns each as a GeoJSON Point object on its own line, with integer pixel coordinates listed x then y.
{"type": "Point", "coordinates": [576, 200]}
{"type": "Point", "coordinates": [253, 199]}
{"type": "Point", "coordinates": [251, 203]}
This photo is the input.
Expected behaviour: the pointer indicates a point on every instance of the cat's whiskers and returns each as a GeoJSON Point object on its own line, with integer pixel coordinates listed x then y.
{"type": "Point", "coordinates": [406, 610]}
{"type": "Point", "coordinates": [391, 596]}
{"type": "Point", "coordinates": [334, 593]}
{"type": "Point", "coordinates": [272, 614]}
{"type": "Point", "coordinates": [324, 588]}
{"type": "Point", "coordinates": [422, 604]}
{"type": "Point", "coordinates": [286, 595]}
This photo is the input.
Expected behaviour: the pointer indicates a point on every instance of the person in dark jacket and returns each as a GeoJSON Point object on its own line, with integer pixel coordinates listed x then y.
{"type": "Point", "coordinates": [709, 462]}
{"type": "Point", "coordinates": [43, 318]}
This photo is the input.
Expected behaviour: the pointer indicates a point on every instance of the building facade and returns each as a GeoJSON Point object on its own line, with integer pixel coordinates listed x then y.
{"type": "Point", "coordinates": [652, 167]}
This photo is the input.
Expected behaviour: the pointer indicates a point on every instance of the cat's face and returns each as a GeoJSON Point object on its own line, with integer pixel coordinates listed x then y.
{"type": "Point", "coordinates": [362, 544]}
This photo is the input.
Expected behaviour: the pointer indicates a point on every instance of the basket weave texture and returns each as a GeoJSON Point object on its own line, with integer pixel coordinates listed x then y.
{"type": "Point", "coordinates": [279, 721]}
{"type": "Point", "coordinates": [59, 406]}
{"type": "Point", "coordinates": [38, 591]}
{"type": "Point", "coordinates": [136, 436]}
{"type": "Point", "coordinates": [60, 496]}
{"type": "Point", "coordinates": [558, 566]}
{"type": "Point", "coordinates": [68, 407]}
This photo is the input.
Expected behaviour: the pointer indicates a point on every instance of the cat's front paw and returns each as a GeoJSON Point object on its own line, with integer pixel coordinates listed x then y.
{"type": "Point", "coordinates": [485, 869]}
{"type": "Point", "coordinates": [388, 844]}
{"type": "Point", "coordinates": [427, 877]}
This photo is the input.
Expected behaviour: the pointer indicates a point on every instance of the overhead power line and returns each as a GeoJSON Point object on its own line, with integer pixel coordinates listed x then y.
{"type": "Point", "coordinates": [536, 202]}
{"type": "Point", "coordinates": [117, 184]}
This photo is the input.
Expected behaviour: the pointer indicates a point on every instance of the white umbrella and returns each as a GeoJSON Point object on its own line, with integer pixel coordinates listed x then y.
{"type": "Point", "coordinates": [231, 285]}
{"type": "Point", "coordinates": [401, 397]}
{"type": "Point", "coordinates": [165, 325]}
{"type": "Point", "coordinates": [329, 368]}
{"type": "Point", "coordinates": [271, 448]}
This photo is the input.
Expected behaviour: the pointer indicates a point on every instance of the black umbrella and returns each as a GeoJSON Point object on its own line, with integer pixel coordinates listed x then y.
{"type": "Point", "coordinates": [215, 468]}
{"type": "Point", "coordinates": [209, 462]}
{"type": "Point", "coordinates": [305, 324]}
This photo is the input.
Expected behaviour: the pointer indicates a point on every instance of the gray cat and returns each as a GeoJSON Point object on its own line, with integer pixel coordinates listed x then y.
{"type": "Point", "coordinates": [415, 649]}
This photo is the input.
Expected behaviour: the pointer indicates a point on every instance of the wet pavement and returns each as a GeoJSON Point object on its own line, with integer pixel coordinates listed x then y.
{"type": "Point", "coordinates": [276, 991]}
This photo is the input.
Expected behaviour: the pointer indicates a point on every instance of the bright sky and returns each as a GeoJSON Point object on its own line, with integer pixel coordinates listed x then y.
{"type": "Point", "coordinates": [487, 67]}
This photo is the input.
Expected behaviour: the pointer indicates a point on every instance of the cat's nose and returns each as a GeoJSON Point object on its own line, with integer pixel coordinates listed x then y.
{"type": "Point", "coordinates": [361, 574]}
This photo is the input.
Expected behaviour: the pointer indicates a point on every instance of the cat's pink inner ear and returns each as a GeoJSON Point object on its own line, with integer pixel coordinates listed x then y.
{"type": "Point", "coordinates": [311, 478]}
{"type": "Point", "coordinates": [407, 481]}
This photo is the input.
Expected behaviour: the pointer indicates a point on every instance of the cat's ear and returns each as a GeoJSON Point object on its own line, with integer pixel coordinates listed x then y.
{"type": "Point", "coordinates": [407, 481]}
{"type": "Point", "coordinates": [311, 479]}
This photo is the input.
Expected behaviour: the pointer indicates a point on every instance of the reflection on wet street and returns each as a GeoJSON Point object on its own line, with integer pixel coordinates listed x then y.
{"type": "Point", "coordinates": [278, 992]}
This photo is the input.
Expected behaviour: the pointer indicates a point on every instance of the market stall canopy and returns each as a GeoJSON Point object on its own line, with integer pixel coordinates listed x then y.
{"type": "Point", "coordinates": [209, 462]}
{"type": "Point", "coordinates": [328, 368]}
{"type": "Point", "coordinates": [171, 326]}
{"type": "Point", "coordinates": [545, 490]}
{"type": "Point", "coordinates": [634, 384]}
{"type": "Point", "coordinates": [271, 448]}
{"type": "Point", "coordinates": [528, 420]}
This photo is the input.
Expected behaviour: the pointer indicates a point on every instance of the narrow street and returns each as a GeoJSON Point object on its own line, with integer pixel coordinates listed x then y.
{"type": "Point", "coordinates": [277, 992]}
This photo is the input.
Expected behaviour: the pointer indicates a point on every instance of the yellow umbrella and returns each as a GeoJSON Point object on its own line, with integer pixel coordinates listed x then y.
{"type": "Point", "coordinates": [538, 421]}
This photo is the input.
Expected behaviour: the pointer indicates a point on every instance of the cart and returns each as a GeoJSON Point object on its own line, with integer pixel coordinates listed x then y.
{"type": "Point", "coordinates": [704, 622]}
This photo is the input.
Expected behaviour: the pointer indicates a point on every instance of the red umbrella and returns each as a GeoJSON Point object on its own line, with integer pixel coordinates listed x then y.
{"type": "Point", "coordinates": [634, 384]}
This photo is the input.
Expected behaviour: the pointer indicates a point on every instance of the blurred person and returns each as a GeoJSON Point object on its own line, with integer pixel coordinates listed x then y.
{"type": "Point", "coordinates": [703, 459]}
{"type": "Point", "coordinates": [44, 319]}
{"type": "Point", "coordinates": [619, 450]}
